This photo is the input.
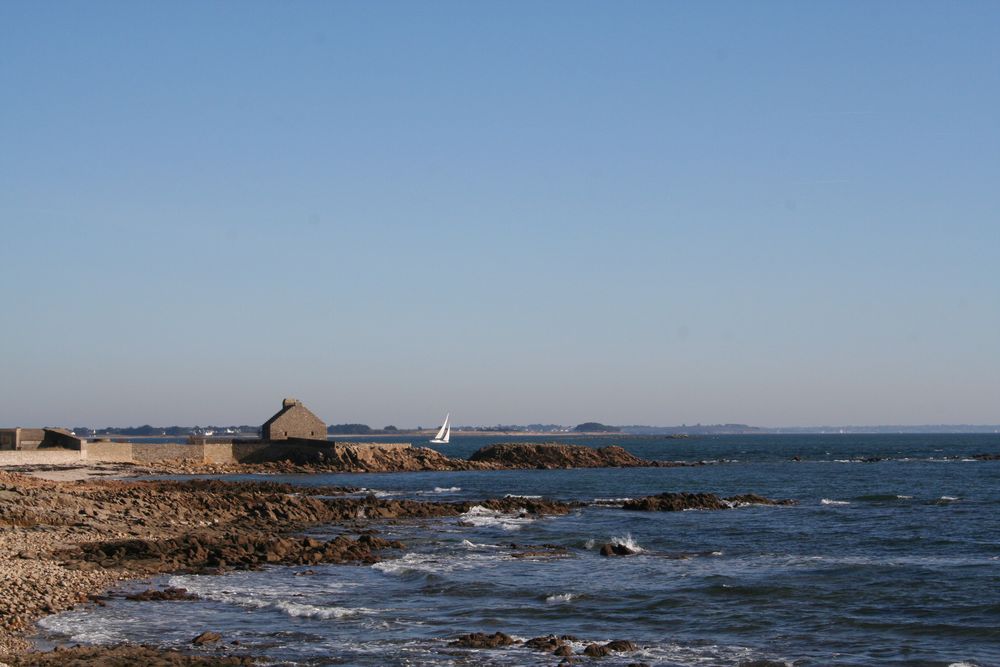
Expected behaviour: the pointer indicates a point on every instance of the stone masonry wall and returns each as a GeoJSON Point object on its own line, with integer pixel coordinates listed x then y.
{"type": "Point", "coordinates": [110, 452]}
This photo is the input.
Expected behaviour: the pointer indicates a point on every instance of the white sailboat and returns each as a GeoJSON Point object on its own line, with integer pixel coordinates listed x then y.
{"type": "Point", "coordinates": [444, 433]}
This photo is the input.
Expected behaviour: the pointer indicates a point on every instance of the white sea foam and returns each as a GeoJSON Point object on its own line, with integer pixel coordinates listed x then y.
{"type": "Point", "coordinates": [515, 495]}
{"type": "Point", "coordinates": [949, 498]}
{"type": "Point", "coordinates": [414, 562]}
{"type": "Point", "coordinates": [474, 545]}
{"type": "Point", "coordinates": [435, 564]}
{"type": "Point", "coordinates": [613, 502]}
{"type": "Point", "coordinates": [234, 590]}
{"type": "Point", "coordinates": [449, 489]}
{"type": "Point", "coordinates": [560, 598]}
{"type": "Point", "coordinates": [627, 542]}
{"type": "Point", "coordinates": [82, 629]}
{"type": "Point", "coordinates": [480, 517]}
{"type": "Point", "coordinates": [314, 611]}
{"type": "Point", "coordinates": [904, 497]}
{"type": "Point", "coordinates": [827, 501]}
{"type": "Point", "coordinates": [590, 544]}
{"type": "Point", "coordinates": [378, 493]}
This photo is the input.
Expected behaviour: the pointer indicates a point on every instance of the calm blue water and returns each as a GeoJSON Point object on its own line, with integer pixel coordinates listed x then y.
{"type": "Point", "coordinates": [889, 563]}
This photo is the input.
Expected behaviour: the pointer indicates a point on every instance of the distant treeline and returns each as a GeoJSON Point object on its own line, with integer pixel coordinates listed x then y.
{"type": "Point", "coordinates": [358, 429]}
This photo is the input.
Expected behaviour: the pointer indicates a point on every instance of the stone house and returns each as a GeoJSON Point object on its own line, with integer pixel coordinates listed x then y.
{"type": "Point", "coordinates": [293, 421]}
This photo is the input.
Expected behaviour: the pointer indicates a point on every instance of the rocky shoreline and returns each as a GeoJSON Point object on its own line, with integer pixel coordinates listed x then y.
{"type": "Point", "coordinates": [361, 457]}
{"type": "Point", "coordinates": [65, 543]}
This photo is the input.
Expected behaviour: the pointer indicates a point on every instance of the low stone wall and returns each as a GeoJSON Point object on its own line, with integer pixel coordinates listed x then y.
{"type": "Point", "coordinates": [36, 457]}
{"type": "Point", "coordinates": [216, 452]}
{"type": "Point", "coordinates": [153, 452]}
{"type": "Point", "coordinates": [207, 452]}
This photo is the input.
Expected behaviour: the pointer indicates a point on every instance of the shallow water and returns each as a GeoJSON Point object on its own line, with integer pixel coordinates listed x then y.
{"type": "Point", "coordinates": [892, 562]}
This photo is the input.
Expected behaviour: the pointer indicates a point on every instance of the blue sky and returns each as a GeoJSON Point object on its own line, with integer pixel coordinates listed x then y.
{"type": "Point", "coordinates": [776, 213]}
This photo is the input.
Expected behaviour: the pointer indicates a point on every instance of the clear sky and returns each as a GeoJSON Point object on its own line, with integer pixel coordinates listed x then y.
{"type": "Point", "coordinates": [778, 213]}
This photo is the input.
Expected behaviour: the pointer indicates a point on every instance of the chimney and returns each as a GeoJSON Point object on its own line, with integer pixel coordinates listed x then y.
{"type": "Point", "coordinates": [289, 402]}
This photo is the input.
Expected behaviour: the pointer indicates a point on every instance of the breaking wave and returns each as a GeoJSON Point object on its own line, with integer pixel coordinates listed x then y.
{"type": "Point", "coordinates": [627, 542]}
{"type": "Point", "coordinates": [480, 517]}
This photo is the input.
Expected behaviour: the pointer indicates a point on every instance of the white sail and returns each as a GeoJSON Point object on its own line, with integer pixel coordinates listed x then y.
{"type": "Point", "coordinates": [444, 432]}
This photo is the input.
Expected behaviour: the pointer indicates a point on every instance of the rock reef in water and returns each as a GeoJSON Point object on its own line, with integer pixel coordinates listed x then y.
{"type": "Point", "coordinates": [677, 502]}
{"type": "Point", "coordinates": [483, 640]}
{"type": "Point", "coordinates": [553, 455]}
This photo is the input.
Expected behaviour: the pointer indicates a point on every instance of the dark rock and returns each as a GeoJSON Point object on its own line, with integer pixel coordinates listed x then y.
{"type": "Point", "coordinates": [621, 646]}
{"type": "Point", "coordinates": [206, 637]}
{"type": "Point", "coordinates": [549, 644]}
{"type": "Point", "coordinates": [617, 550]}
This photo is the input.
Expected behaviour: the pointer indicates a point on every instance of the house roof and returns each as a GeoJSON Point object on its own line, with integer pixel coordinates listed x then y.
{"type": "Point", "coordinates": [287, 406]}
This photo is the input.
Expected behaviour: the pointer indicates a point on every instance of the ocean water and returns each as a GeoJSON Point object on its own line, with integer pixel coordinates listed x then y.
{"type": "Point", "coordinates": [888, 562]}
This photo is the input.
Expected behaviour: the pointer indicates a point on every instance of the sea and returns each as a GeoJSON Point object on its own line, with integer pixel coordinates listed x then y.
{"type": "Point", "coordinates": [890, 557]}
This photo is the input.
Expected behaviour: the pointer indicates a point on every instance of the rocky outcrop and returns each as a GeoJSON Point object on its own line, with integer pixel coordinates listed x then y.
{"type": "Point", "coordinates": [360, 457]}
{"type": "Point", "coordinates": [552, 455]}
{"type": "Point", "coordinates": [676, 502]}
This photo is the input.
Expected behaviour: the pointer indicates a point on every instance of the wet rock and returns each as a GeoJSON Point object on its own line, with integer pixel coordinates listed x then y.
{"type": "Point", "coordinates": [483, 640]}
{"type": "Point", "coordinates": [207, 637]}
{"type": "Point", "coordinates": [169, 593]}
{"type": "Point", "coordinates": [565, 650]}
{"type": "Point", "coordinates": [596, 651]}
